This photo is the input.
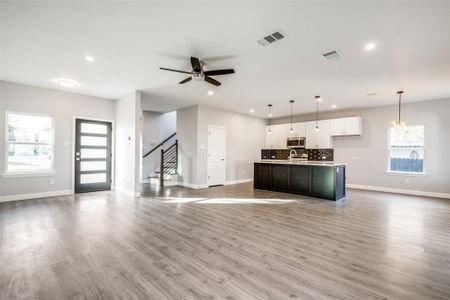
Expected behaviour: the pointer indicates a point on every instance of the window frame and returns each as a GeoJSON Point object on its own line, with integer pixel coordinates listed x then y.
{"type": "Point", "coordinates": [49, 172]}
{"type": "Point", "coordinates": [389, 148]}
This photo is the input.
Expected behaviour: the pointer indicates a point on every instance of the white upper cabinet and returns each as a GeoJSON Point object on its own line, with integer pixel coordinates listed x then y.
{"type": "Point", "coordinates": [299, 129]}
{"type": "Point", "coordinates": [271, 137]}
{"type": "Point", "coordinates": [319, 139]}
{"type": "Point", "coordinates": [346, 126]}
{"type": "Point", "coordinates": [283, 130]}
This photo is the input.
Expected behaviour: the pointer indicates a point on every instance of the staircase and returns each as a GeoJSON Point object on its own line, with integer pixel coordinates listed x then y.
{"type": "Point", "coordinates": [168, 163]}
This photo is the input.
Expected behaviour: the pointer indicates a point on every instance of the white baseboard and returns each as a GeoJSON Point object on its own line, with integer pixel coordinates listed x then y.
{"type": "Point", "coordinates": [35, 195]}
{"type": "Point", "coordinates": [398, 191]}
{"type": "Point", "coordinates": [239, 181]}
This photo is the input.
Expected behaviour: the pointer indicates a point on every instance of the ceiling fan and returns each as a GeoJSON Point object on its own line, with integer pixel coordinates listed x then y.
{"type": "Point", "coordinates": [198, 74]}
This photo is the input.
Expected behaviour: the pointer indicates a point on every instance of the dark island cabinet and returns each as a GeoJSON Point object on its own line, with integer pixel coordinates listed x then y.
{"type": "Point", "coordinates": [321, 181]}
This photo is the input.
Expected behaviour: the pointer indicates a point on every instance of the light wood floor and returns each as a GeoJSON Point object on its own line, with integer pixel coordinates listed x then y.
{"type": "Point", "coordinates": [225, 243]}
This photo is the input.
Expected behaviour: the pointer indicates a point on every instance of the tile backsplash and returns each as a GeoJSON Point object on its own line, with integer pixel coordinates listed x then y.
{"type": "Point", "coordinates": [313, 154]}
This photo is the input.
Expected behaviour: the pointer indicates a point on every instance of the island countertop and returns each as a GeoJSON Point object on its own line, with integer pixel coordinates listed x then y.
{"type": "Point", "coordinates": [298, 162]}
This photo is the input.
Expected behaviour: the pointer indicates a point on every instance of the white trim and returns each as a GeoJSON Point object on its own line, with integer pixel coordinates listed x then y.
{"type": "Point", "coordinates": [113, 157]}
{"type": "Point", "coordinates": [399, 191]}
{"type": "Point", "coordinates": [230, 182]}
{"type": "Point", "coordinates": [35, 195]}
{"type": "Point", "coordinates": [411, 174]}
{"type": "Point", "coordinates": [30, 174]}
{"type": "Point", "coordinates": [7, 142]}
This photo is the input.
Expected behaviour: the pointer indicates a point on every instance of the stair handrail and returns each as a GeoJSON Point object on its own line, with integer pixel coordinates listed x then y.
{"type": "Point", "coordinates": [159, 145]}
{"type": "Point", "coordinates": [162, 162]}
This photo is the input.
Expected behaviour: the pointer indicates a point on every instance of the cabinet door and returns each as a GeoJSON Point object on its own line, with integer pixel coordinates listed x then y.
{"type": "Point", "coordinates": [271, 137]}
{"type": "Point", "coordinates": [282, 135]}
{"type": "Point", "coordinates": [311, 136]}
{"type": "Point", "coordinates": [337, 127]}
{"type": "Point", "coordinates": [268, 139]}
{"type": "Point", "coordinates": [299, 129]}
{"type": "Point", "coordinates": [352, 126]}
{"type": "Point", "coordinates": [324, 139]}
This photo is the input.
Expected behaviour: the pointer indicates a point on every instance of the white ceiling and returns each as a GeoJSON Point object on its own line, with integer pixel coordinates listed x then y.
{"type": "Point", "coordinates": [41, 41]}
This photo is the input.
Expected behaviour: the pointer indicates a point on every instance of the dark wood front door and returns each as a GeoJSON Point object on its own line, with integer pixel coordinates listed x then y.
{"type": "Point", "coordinates": [92, 156]}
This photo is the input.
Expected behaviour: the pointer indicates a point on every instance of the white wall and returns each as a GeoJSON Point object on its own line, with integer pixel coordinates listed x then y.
{"type": "Point", "coordinates": [128, 140]}
{"type": "Point", "coordinates": [63, 107]}
{"type": "Point", "coordinates": [245, 138]}
{"type": "Point", "coordinates": [156, 127]}
{"type": "Point", "coordinates": [367, 154]}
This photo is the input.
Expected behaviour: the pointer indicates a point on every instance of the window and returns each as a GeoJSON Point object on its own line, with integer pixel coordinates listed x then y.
{"type": "Point", "coordinates": [29, 143]}
{"type": "Point", "coordinates": [406, 149]}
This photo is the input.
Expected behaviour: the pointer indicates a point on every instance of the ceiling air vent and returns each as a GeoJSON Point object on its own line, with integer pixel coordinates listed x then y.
{"type": "Point", "coordinates": [271, 38]}
{"type": "Point", "coordinates": [332, 55]}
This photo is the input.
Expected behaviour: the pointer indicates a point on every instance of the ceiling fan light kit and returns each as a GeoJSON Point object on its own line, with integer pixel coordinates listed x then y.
{"type": "Point", "coordinates": [199, 74]}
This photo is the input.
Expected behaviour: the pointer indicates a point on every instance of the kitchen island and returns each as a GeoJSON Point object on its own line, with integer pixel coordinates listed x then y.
{"type": "Point", "coordinates": [324, 180]}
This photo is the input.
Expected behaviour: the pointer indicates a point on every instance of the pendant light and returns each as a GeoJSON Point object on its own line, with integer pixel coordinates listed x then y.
{"type": "Point", "coordinates": [291, 130]}
{"type": "Point", "coordinates": [270, 116]}
{"type": "Point", "coordinates": [318, 99]}
{"type": "Point", "coordinates": [399, 123]}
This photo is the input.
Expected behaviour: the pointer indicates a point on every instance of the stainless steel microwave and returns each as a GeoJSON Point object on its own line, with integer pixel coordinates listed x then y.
{"type": "Point", "coordinates": [296, 142]}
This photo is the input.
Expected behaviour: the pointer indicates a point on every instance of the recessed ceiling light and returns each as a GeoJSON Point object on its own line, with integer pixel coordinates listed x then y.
{"type": "Point", "coordinates": [370, 46]}
{"type": "Point", "coordinates": [210, 93]}
{"type": "Point", "coordinates": [333, 106]}
{"type": "Point", "coordinates": [89, 58]}
{"type": "Point", "coordinates": [66, 82]}
{"type": "Point", "coordinates": [252, 110]}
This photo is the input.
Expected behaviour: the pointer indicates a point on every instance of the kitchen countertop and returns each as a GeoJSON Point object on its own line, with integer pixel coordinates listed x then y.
{"type": "Point", "coordinates": [298, 162]}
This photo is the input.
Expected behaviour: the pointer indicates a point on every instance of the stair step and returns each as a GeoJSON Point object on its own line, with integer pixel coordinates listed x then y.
{"type": "Point", "coordinates": [159, 172]}
{"type": "Point", "coordinates": [157, 177]}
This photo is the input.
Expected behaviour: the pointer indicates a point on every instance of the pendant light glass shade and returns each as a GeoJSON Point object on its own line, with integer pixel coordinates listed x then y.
{"type": "Point", "coordinates": [291, 131]}
{"type": "Point", "coordinates": [399, 122]}
{"type": "Point", "coordinates": [270, 115]}
{"type": "Point", "coordinates": [318, 99]}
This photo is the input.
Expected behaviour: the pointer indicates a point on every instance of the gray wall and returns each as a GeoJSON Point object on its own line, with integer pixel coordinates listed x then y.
{"type": "Point", "coordinates": [156, 127]}
{"type": "Point", "coordinates": [187, 128]}
{"type": "Point", "coordinates": [245, 138]}
{"type": "Point", "coordinates": [367, 154]}
{"type": "Point", "coordinates": [63, 107]}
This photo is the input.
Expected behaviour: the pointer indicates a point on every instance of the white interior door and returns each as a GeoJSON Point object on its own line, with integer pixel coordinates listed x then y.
{"type": "Point", "coordinates": [216, 155]}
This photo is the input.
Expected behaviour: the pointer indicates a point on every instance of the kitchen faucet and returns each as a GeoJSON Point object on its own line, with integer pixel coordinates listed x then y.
{"type": "Point", "coordinates": [292, 153]}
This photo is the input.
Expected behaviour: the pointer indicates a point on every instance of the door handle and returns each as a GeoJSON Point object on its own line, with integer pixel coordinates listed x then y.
{"type": "Point", "coordinates": [222, 159]}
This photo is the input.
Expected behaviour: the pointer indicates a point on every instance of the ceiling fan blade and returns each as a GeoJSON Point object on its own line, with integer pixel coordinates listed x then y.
{"type": "Point", "coordinates": [219, 72]}
{"type": "Point", "coordinates": [196, 67]}
{"type": "Point", "coordinates": [212, 81]}
{"type": "Point", "coordinates": [185, 80]}
{"type": "Point", "coordinates": [173, 70]}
